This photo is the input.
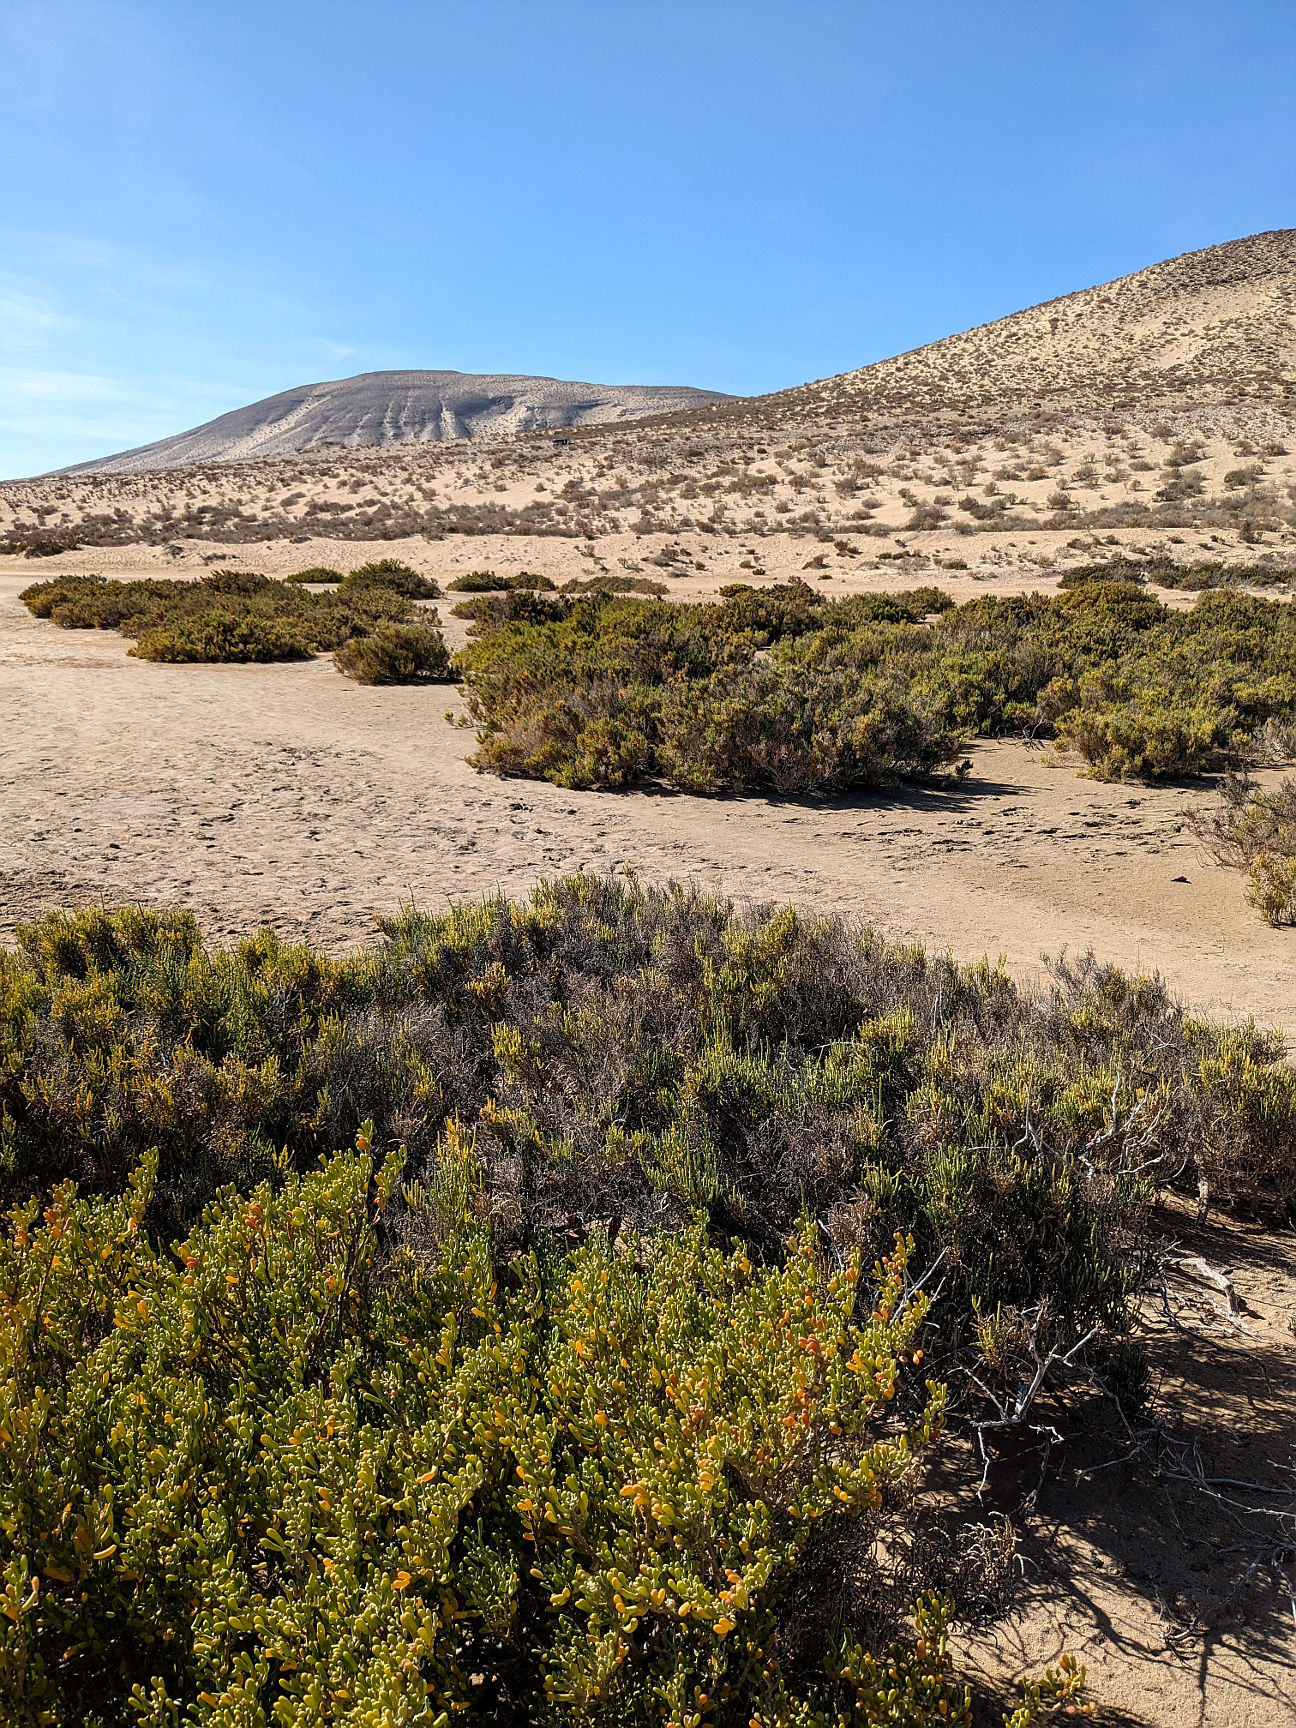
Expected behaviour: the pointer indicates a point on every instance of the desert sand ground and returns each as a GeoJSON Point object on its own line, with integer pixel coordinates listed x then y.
{"type": "Point", "coordinates": [1134, 1569]}
{"type": "Point", "coordinates": [286, 795]}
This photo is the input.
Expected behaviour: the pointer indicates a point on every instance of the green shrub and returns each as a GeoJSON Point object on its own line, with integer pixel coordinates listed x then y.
{"type": "Point", "coordinates": [626, 690]}
{"type": "Point", "coordinates": [1271, 887]}
{"type": "Point", "coordinates": [606, 584]}
{"type": "Point", "coordinates": [803, 730]}
{"type": "Point", "coordinates": [514, 605]}
{"type": "Point", "coordinates": [649, 1053]}
{"type": "Point", "coordinates": [278, 1472]}
{"type": "Point", "coordinates": [487, 582]}
{"type": "Point", "coordinates": [230, 615]}
{"type": "Point", "coordinates": [395, 654]}
{"type": "Point", "coordinates": [316, 573]}
{"type": "Point", "coordinates": [1255, 831]}
{"type": "Point", "coordinates": [1209, 573]}
{"type": "Point", "coordinates": [591, 689]}
{"type": "Point", "coordinates": [224, 636]}
{"type": "Point", "coordinates": [1113, 570]}
{"type": "Point", "coordinates": [392, 574]}
{"type": "Point", "coordinates": [478, 582]}
{"type": "Point", "coordinates": [46, 545]}
{"type": "Point", "coordinates": [1136, 690]}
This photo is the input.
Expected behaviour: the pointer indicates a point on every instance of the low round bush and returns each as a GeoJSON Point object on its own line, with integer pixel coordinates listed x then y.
{"type": "Point", "coordinates": [391, 573]}
{"type": "Point", "coordinates": [316, 573]}
{"type": "Point", "coordinates": [487, 582]}
{"type": "Point", "coordinates": [225, 636]}
{"type": "Point", "coordinates": [395, 654]}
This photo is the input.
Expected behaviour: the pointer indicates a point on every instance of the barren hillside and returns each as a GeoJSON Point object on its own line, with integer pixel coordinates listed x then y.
{"type": "Point", "coordinates": [377, 408]}
{"type": "Point", "coordinates": [1217, 326]}
{"type": "Point", "coordinates": [1158, 406]}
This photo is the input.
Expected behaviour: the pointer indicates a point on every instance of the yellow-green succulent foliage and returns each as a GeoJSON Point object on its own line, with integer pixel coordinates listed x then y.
{"type": "Point", "coordinates": [283, 1472]}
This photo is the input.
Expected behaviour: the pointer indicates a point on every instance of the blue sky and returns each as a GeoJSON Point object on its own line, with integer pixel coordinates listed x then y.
{"type": "Point", "coordinates": [206, 201]}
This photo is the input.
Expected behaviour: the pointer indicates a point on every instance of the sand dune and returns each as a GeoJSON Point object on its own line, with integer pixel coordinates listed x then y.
{"type": "Point", "coordinates": [1215, 326]}
{"type": "Point", "coordinates": [1164, 402]}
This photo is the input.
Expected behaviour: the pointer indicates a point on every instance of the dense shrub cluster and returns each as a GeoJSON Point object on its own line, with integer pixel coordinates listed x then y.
{"type": "Point", "coordinates": [781, 689]}
{"type": "Point", "coordinates": [565, 1397]}
{"type": "Point", "coordinates": [487, 582]}
{"type": "Point", "coordinates": [282, 1472]}
{"type": "Point", "coordinates": [231, 615]}
{"type": "Point", "coordinates": [606, 692]}
{"type": "Point", "coordinates": [395, 654]}
{"type": "Point", "coordinates": [616, 1052]}
{"type": "Point", "coordinates": [1194, 578]}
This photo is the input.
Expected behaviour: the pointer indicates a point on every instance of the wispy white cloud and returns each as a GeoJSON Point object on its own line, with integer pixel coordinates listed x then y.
{"type": "Point", "coordinates": [35, 384]}
{"type": "Point", "coordinates": [27, 321]}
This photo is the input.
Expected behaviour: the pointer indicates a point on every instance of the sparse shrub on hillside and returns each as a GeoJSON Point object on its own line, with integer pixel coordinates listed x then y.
{"type": "Point", "coordinates": [395, 654]}
{"type": "Point", "coordinates": [45, 545]}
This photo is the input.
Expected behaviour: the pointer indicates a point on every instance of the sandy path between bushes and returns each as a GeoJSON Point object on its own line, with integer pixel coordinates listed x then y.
{"type": "Point", "coordinates": [287, 795]}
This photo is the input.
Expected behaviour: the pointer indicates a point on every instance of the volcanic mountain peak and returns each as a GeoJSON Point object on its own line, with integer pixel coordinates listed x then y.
{"type": "Point", "coordinates": [376, 408]}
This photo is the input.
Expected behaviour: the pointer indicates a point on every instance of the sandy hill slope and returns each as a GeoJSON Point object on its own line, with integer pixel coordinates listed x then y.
{"type": "Point", "coordinates": [1217, 326]}
{"type": "Point", "coordinates": [399, 408]}
{"type": "Point", "coordinates": [1157, 407]}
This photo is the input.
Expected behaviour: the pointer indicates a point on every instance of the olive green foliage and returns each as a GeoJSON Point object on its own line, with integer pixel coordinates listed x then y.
{"type": "Point", "coordinates": [290, 1471]}
{"type": "Point", "coordinates": [778, 688]}
{"type": "Point", "coordinates": [606, 584]}
{"type": "Point", "coordinates": [1165, 573]}
{"type": "Point", "coordinates": [1255, 831]}
{"type": "Point", "coordinates": [1113, 570]}
{"type": "Point", "coordinates": [487, 582]}
{"type": "Point", "coordinates": [316, 573]}
{"type": "Point", "coordinates": [395, 654]}
{"type": "Point", "coordinates": [555, 1401]}
{"type": "Point", "coordinates": [391, 574]}
{"type": "Point", "coordinates": [510, 606]}
{"type": "Point", "coordinates": [644, 1054]}
{"type": "Point", "coordinates": [229, 616]}
{"type": "Point", "coordinates": [620, 690]}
